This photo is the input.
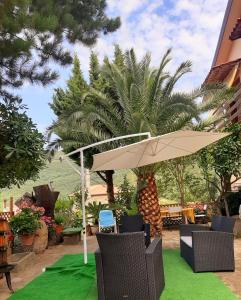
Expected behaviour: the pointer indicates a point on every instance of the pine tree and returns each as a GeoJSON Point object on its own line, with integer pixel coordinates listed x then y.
{"type": "Point", "coordinates": [119, 58]}
{"type": "Point", "coordinates": [76, 84]}
{"type": "Point", "coordinates": [94, 70]}
{"type": "Point", "coordinates": [32, 34]}
{"type": "Point", "coordinates": [65, 100]}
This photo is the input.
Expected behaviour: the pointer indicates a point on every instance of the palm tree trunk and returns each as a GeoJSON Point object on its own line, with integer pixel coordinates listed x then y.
{"type": "Point", "coordinates": [110, 186]}
{"type": "Point", "coordinates": [107, 177]}
{"type": "Point", "coordinates": [148, 203]}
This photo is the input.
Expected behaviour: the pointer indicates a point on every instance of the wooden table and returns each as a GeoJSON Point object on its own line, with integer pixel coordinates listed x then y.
{"type": "Point", "coordinates": [6, 269]}
{"type": "Point", "coordinates": [187, 212]}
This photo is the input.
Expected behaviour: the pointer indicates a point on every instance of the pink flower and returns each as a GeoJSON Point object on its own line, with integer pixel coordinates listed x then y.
{"type": "Point", "coordinates": [24, 204]}
{"type": "Point", "coordinates": [48, 221]}
{"type": "Point", "coordinates": [38, 209]}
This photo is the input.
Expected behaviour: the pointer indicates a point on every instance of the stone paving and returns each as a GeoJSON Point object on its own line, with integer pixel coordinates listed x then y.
{"type": "Point", "coordinates": [170, 240]}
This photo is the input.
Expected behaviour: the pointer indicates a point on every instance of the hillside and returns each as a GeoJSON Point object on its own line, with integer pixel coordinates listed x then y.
{"type": "Point", "coordinates": [63, 178]}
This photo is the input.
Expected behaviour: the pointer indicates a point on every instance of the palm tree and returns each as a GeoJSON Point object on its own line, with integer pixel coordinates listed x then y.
{"type": "Point", "coordinates": [140, 99]}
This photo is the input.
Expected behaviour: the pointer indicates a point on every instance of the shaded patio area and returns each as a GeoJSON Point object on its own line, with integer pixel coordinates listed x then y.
{"type": "Point", "coordinates": [51, 255]}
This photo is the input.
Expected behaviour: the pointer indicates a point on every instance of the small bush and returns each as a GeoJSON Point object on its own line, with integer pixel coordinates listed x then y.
{"type": "Point", "coordinates": [25, 222]}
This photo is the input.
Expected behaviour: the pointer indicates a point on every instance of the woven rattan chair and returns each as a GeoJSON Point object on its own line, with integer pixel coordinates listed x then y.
{"type": "Point", "coordinates": [126, 269]}
{"type": "Point", "coordinates": [209, 248]}
{"type": "Point", "coordinates": [135, 224]}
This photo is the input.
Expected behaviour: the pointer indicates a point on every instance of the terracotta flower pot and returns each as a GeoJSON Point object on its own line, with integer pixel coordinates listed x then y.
{"type": "Point", "coordinates": [4, 225]}
{"type": "Point", "coordinates": [26, 239]}
{"type": "Point", "coordinates": [3, 241]}
{"type": "Point", "coordinates": [59, 229]}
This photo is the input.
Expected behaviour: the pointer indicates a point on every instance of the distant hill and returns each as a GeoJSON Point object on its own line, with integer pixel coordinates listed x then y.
{"type": "Point", "coordinates": [63, 178]}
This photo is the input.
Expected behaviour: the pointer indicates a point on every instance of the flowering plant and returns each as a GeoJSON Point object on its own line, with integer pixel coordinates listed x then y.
{"type": "Point", "coordinates": [49, 222]}
{"type": "Point", "coordinates": [24, 222]}
{"type": "Point", "coordinates": [38, 211]}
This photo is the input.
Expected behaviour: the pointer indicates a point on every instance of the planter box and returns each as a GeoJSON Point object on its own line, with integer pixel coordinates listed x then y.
{"type": "Point", "coordinates": [72, 236]}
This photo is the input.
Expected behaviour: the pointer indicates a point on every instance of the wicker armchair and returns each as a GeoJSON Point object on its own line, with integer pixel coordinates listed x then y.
{"type": "Point", "coordinates": [126, 269]}
{"type": "Point", "coordinates": [135, 224]}
{"type": "Point", "coordinates": [209, 248]}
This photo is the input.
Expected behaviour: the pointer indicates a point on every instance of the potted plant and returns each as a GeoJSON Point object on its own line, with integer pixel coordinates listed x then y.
{"type": "Point", "coordinates": [93, 210]}
{"type": "Point", "coordinates": [58, 224]}
{"type": "Point", "coordinates": [24, 224]}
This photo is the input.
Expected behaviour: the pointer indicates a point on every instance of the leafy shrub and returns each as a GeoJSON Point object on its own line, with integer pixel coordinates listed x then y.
{"type": "Point", "coordinates": [93, 210]}
{"type": "Point", "coordinates": [59, 220]}
{"type": "Point", "coordinates": [125, 194]}
{"type": "Point", "coordinates": [64, 208]}
{"type": "Point", "coordinates": [25, 222]}
{"type": "Point", "coordinates": [77, 220]}
{"type": "Point", "coordinates": [126, 200]}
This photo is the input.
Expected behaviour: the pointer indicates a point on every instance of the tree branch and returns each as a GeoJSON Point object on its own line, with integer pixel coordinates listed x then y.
{"type": "Point", "coordinates": [213, 183]}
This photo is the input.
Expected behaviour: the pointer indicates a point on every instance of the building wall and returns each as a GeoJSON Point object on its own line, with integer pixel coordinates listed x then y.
{"type": "Point", "coordinates": [225, 45]}
{"type": "Point", "coordinates": [228, 51]}
{"type": "Point", "coordinates": [235, 50]}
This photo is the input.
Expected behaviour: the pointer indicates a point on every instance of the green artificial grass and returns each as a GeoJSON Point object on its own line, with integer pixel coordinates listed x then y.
{"type": "Point", "coordinates": [69, 279]}
{"type": "Point", "coordinates": [183, 284]}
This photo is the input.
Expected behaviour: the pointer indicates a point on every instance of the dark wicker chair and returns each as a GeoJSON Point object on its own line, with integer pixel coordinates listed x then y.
{"type": "Point", "coordinates": [126, 269]}
{"type": "Point", "coordinates": [135, 224]}
{"type": "Point", "coordinates": [209, 248]}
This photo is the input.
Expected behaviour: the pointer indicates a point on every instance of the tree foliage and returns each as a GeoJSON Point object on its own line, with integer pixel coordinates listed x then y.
{"type": "Point", "coordinates": [224, 159]}
{"type": "Point", "coordinates": [128, 96]}
{"type": "Point", "coordinates": [33, 32]}
{"type": "Point", "coordinates": [66, 103]}
{"type": "Point", "coordinates": [21, 147]}
{"type": "Point", "coordinates": [181, 180]}
{"type": "Point", "coordinates": [64, 100]}
{"type": "Point", "coordinates": [138, 98]}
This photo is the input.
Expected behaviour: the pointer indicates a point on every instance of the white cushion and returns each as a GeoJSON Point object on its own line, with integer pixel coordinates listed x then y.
{"type": "Point", "coordinates": [187, 240]}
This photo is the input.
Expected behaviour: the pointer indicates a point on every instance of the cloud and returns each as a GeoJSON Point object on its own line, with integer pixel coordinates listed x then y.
{"type": "Point", "coordinates": [190, 28]}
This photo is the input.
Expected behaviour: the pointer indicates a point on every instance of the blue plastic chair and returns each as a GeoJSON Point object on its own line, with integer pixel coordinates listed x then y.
{"type": "Point", "coordinates": [107, 219]}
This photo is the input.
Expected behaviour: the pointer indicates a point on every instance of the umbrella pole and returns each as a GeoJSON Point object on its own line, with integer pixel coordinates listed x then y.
{"type": "Point", "coordinates": [82, 176]}
{"type": "Point", "coordinates": [83, 204]}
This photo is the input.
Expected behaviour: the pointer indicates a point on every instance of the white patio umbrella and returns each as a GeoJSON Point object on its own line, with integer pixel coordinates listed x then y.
{"type": "Point", "coordinates": [148, 151]}
{"type": "Point", "coordinates": [156, 149]}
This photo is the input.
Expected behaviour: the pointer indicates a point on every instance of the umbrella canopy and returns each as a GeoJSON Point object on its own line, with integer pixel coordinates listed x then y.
{"type": "Point", "coordinates": [156, 149]}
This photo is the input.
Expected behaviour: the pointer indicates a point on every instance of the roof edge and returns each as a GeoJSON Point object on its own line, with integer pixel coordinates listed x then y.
{"type": "Point", "coordinates": [225, 20]}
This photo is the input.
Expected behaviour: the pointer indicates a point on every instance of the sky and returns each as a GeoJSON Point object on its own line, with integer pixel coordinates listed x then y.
{"type": "Point", "coordinates": [190, 27]}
